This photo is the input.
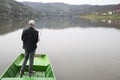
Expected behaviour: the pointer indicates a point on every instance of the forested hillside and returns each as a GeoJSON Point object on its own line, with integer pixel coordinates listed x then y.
{"type": "Point", "coordinates": [60, 9]}
{"type": "Point", "coordinates": [10, 9]}
{"type": "Point", "coordinates": [73, 10]}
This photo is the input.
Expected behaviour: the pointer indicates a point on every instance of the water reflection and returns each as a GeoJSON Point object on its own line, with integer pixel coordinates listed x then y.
{"type": "Point", "coordinates": [105, 23]}
{"type": "Point", "coordinates": [57, 23]}
{"type": "Point", "coordinates": [65, 22]}
{"type": "Point", "coordinates": [11, 25]}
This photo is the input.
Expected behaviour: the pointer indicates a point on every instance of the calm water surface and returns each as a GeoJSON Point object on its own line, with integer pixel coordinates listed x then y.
{"type": "Point", "coordinates": [76, 53]}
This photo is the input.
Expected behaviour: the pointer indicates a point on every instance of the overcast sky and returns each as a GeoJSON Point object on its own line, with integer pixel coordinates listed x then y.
{"type": "Point", "coordinates": [78, 2]}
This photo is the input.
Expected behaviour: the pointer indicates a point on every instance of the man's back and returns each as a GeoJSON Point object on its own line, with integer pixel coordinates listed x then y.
{"type": "Point", "coordinates": [30, 38]}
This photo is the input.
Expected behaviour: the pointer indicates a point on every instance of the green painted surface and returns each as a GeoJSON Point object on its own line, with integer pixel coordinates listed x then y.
{"type": "Point", "coordinates": [41, 65]}
{"type": "Point", "coordinates": [28, 79]}
{"type": "Point", "coordinates": [38, 61]}
{"type": "Point", "coordinates": [38, 74]}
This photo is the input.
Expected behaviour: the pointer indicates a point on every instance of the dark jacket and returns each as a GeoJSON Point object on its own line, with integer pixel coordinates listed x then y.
{"type": "Point", "coordinates": [30, 39]}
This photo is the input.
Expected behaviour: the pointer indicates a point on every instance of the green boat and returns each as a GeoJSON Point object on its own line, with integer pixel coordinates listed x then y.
{"type": "Point", "coordinates": [42, 66]}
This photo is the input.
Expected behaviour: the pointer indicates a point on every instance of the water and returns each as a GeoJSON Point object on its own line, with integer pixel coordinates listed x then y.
{"type": "Point", "coordinates": [77, 51]}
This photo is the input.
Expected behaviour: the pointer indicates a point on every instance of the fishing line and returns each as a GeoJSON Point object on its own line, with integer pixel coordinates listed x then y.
{"type": "Point", "coordinates": [44, 26]}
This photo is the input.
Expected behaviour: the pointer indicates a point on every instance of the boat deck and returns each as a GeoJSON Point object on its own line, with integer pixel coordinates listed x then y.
{"type": "Point", "coordinates": [28, 79]}
{"type": "Point", "coordinates": [37, 75]}
{"type": "Point", "coordinates": [41, 66]}
{"type": "Point", "coordinates": [37, 61]}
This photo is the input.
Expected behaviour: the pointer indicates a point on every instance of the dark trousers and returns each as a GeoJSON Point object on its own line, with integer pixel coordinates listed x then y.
{"type": "Point", "coordinates": [28, 55]}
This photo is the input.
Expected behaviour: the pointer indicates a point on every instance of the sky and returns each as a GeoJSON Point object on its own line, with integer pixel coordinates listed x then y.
{"type": "Point", "coordinates": [78, 2]}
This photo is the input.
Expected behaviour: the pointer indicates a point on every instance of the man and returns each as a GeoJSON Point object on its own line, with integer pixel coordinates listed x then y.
{"type": "Point", "coordinates": [30, 39]}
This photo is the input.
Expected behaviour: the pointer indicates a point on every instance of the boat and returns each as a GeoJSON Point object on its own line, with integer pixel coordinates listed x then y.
{"type": "Point", "coordinates": [42, 67]}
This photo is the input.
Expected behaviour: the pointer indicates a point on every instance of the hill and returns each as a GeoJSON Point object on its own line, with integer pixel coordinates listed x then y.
{"type": "Point", "coordinates": [60, 9]}
{"type": "Point", "coordinates": [10, 9]}
{"type": "Point", "coordinates": [66, 9]}
{"type": "Point", "coordinates": [103, 8]}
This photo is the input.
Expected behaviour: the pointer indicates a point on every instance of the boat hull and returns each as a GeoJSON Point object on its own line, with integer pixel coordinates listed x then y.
{"type": "Point", "coordinates": [42, 66]}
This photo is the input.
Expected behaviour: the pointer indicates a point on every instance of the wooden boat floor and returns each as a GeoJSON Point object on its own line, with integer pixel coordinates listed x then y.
{"type": "Point", "coordinates": [28, 79]}
{"type": "Point", "coordinates": [37, 61]}
{"type": "Point", "coordinates": [37, 75]}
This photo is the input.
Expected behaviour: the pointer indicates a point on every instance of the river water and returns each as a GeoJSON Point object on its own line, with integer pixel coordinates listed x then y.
{"type": "Point", "coordinates": [78, 50]}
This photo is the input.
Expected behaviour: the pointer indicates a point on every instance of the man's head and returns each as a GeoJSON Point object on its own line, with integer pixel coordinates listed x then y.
{"type": "Point", "coordinates": [31, 23]}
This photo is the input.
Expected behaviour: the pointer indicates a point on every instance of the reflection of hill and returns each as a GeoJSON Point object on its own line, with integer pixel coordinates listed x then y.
{"type": "Point", "coordinates": [65, 22]}
{"type": "Point", "coordinates": [10, 25]}
{"type": "Point", "coordinates": [105, 23]}
{"type": "Point", "coordinates": [56, 23]}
